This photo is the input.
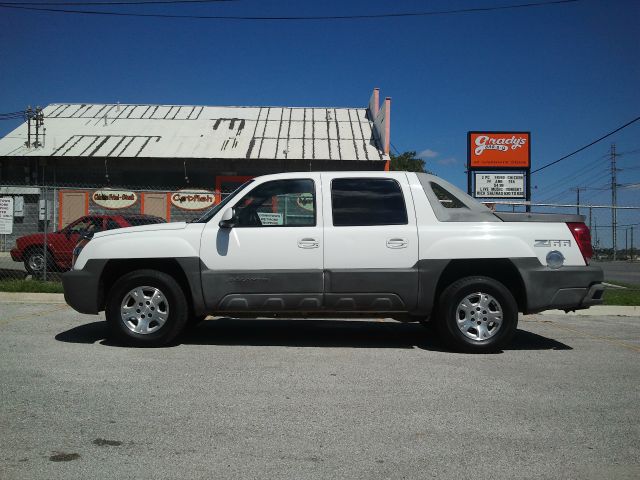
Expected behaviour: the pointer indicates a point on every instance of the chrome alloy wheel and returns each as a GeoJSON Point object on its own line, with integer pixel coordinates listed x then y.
{"type": "Point", "coordinates": [479, 316]}
{"type": "Point", "coordinates": [36, 262]}
{"type": "Point", "coordinates": [144, 310]}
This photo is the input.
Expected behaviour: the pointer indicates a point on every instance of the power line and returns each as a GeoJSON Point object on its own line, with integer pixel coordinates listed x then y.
{"type": "Point", "coordinates": [112, 3]}
{"type": "Point", "coordinates": [124, 2]}
{"type": "Point", "coordinates": [585, 169]}
{"type": "Point", "coordinates": [587, 146]}
{"type": "Point", "coordinates": [12, 115]}
{"type": "Point", "coordinates": [619, 226]}
{"type": "Point", "coordinates": [292, 18]}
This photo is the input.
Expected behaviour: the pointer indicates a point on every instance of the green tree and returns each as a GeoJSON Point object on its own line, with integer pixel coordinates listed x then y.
{"type": "Point", "coordinates": [408, 162]}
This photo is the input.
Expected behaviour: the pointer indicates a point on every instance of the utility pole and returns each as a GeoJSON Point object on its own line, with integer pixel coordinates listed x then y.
{"type": "Point", "coordinates": [614, 199]}
{"type": "Point", "coordinates": [39, 121]}
{"type": "Point", "coordinates": [632, 244]}
{"type": "Point", "coordinates": [29, 114]}
{"type": "Point", "coordinates": [626, 241]}
{"type": "Point", "coordinates": [37, 118]}
{"type": "Point", "coordinates": [590, 216]}
{"type": "Point", "coordinates": [577, 190]}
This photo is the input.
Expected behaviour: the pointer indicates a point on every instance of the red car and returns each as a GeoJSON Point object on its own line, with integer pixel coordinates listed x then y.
{"type": "Point", "coordinates": [30, 248]}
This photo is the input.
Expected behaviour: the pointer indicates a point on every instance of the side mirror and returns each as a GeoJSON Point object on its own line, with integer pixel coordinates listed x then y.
{"type": "Point", "coordinates": [228, 219]}
{"type": "Point", "coordinates": [86, 234]}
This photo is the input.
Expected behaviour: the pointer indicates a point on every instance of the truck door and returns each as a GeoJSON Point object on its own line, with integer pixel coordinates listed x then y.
{"type": "Point", "coordinates": [371, 242]}
{"type": "Point", "coordinates": [271, 259]}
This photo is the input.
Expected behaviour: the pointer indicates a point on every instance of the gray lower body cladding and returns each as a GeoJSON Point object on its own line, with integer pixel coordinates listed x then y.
{"type": "Point", "coordinates": [82, 290]}
{"type": "Point", "coordinates": [310, 290]}
{"type": "Point", "coordinates": [85, 291]}
{"type": "Point", "coordinates": [410, 290]}
{"type": "Point", "coordinates": [565, 288]}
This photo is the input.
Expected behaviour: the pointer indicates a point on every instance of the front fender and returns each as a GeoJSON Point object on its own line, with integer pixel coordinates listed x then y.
{"type": "Point", "coordinates": [168, 244]}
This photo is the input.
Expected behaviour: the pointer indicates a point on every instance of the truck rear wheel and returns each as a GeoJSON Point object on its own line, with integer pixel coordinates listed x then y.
{"type": "Point", "coordinates": [146, 308]}
{"type": "Point", "coordinates": [477, 315]}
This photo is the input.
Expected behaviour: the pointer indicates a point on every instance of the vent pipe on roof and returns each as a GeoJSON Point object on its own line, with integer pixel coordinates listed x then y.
{"type": "Point", "coordinates": [381, 118]}
{"type": "Point", "coordinates": [374, 104]}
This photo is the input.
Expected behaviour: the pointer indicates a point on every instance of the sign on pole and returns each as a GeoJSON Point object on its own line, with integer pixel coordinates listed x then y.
{"type": "Point", "coordinates": [500, 150]}
{"type": "Point", "coordinates": [494, 152]}
{"type": "Point", "coordinates": [499, 185]}
{"type": "Point", "coordinates": [6, 215]}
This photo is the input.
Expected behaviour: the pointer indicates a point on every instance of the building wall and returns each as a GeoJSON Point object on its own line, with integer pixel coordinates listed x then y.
{"type": "Point", "coordinates": [142, 175]}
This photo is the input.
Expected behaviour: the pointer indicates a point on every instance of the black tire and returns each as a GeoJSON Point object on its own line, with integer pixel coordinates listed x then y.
{"type": "Point", "coordinates": [34, 262]}
{"type": "Point", "coordinates": [459, 332]}
{"type": "Point", "coordinates": [171, 304]}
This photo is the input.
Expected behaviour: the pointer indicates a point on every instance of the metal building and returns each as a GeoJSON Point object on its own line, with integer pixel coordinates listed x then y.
{"type": "Point", "coordinates": [85, 154]}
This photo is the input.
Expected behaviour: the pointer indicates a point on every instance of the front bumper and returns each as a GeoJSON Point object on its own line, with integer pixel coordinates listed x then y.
{"type": "Point", "coordinates": [82, 289]}
{"type": "Point", "coordinates": [16, 255]}
{"type": "Point", "coordinates": [566, 288]}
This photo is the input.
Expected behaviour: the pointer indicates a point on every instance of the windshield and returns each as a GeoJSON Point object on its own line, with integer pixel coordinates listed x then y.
{"type": "Point", "coordinates": [210, 213]}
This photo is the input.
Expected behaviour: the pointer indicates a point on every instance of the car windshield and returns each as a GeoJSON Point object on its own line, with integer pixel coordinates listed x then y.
{"type": "Point", "coordinates": [210, 213]}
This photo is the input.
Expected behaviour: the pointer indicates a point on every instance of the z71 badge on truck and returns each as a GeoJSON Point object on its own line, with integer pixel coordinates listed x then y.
{"type": "Point", "coordinates": [395, 244]}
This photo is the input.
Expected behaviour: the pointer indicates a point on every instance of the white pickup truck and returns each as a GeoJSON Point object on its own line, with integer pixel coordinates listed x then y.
{"type": "Point", "coordinates": [398, 245]}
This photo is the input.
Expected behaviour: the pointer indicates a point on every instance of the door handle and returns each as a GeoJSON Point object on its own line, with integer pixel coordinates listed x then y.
{"type": "Point", "coordinates": [308, 243]}
{"type": "Point", "coordinates": [396, 243]}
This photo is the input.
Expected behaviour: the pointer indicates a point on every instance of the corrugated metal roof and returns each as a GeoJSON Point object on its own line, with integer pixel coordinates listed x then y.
{"type": "Point", "coordinates": [179, 131]}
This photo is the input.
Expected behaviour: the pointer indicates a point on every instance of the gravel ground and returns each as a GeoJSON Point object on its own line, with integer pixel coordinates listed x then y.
{"type": "Point", "coordinates": [285, 399]}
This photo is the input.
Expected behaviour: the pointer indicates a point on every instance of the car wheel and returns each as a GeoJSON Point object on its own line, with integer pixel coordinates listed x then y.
{"type": "Point", "coordinates": [34, 262]}
{"type": "Point", "coordinates": [147, 308]}
{"type": "Point", "coordinates": [477, 315]}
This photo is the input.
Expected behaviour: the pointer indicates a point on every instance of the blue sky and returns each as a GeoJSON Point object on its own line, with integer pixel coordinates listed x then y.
{"type": "Point", "coordinates": [567, 73]}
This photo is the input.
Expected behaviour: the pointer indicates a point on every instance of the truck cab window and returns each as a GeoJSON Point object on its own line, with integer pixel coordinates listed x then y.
{"type": "Point", "coordinates": [280, 203]}
{"type": "Point", "coordinates": [367, 201]}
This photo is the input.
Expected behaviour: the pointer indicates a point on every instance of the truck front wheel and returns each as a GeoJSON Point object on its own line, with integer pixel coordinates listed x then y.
{"type": "Point", "coordinates": [146, 308]}
{"type": "Point", "coordinates": [477, 315]}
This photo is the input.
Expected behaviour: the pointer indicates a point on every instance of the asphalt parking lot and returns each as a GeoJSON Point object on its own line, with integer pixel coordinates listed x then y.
{"type": "Point", "coordinates": [285, 399]}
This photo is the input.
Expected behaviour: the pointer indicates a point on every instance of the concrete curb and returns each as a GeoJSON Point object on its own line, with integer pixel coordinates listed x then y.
{"type": "Point", "coordinates": [24, 297]}
{"type": "Point", "coordinates": [599, 310]}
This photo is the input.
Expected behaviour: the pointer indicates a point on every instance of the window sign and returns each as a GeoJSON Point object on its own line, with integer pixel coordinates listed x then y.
{"type": "Point", "coordinates": [270, 218]}
{"type": "Point", "coordinates": [18, 206]}
{"type": "Point", "coordinates": [6, 215]}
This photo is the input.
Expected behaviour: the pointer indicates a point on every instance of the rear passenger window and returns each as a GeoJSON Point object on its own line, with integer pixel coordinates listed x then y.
{"type": "Point", "coordinates": [446, 198]}
{"type": "Point", "coordinates": [367, 201]}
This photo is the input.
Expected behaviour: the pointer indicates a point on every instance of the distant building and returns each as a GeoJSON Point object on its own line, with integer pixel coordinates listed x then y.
{"type": "Point", "coordinates": [83, 150]}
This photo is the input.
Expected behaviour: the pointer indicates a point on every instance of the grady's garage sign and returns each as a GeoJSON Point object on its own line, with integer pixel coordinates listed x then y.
{"type": "Point", "coordinates": [499, 150]}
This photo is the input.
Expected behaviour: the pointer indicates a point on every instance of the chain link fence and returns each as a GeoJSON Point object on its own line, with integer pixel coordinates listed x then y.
{"type": "Point", "coordinates": [614, 237]}
{"type": "Point", "coordinates": [40, 226]}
